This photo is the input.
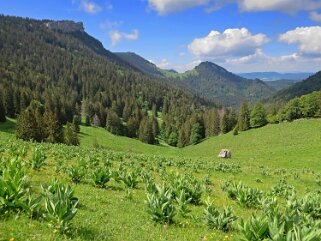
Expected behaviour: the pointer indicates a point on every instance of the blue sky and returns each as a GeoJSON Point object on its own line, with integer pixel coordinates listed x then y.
{"type": "Point", "coordinates": [240, 35]}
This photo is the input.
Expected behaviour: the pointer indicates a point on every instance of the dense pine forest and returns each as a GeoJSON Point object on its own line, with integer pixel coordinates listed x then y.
{"type": "Point", "coordinates": [71, 74]}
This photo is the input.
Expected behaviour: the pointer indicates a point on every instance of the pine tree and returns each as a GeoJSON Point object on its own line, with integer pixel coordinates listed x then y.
{"type": "Point", "coordinates": [70, 135]}
{"type": "Point", "coordinates": [132, 127]}
{"type": "Point", "coordinates": [8, 103]}
{"type": "Point", "coordinates": [155, 126]}
{"type": "Point", "coordinates": [173, 139]}
{"type": "Point", "coordinates": [258, 116]}
{"type": "Point", "coordinates": [53, 129]}
{"type": "Point", "coordinates": [146, 131]}
{"type": "Point", "coordinates": [244, 117]}
{"type": "Point", "coordinates": [2, 111]}
{"type": "Point", "coordinates": [196, 134]}
{"type": "Point", "coordinates": [30, 124]}
{"type": "Point", "coordinates": [87, 120]}
{"type": "Point", "coordinates": [225, 123]}
{"type": "Point", "coordinates": [76, 121]}
{"type": "Point", "coordinates": [113, 123]}
{"type": "Point", "coordinates": [184, 135]}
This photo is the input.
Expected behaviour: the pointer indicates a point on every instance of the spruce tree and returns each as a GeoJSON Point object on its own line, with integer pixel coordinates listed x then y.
{"type": "Point", "coordinates": [70, 135]}
{"type": "Point", "coordinates": [244, 117]}
{"type": "Point", "coordinates": [196, 134]}
{"type": "Point", "coordinates": [146, 131]}
{"type": "Point", "coordinates": [53, 129]}
{"type": "Point", "coordinates": [113, 123]}
{"type": "Point", "coordinates": [76, 121]}
{"type": "Point", "coordinates": [2, 111]}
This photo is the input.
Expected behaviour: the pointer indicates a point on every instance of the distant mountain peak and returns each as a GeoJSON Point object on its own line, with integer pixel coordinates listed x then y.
{"type": "Point", "coordinates": [211, 66]}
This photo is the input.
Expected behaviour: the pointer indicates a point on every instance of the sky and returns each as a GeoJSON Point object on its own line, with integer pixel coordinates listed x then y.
{"type": "Point", "coordinates": [240, 35]}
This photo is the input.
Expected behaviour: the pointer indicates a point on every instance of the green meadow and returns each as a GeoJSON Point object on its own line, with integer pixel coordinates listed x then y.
{"type": "Point", "coordinates": [260, 159]}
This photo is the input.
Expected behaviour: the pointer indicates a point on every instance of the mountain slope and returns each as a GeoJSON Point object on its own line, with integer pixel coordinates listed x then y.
{"type": "Point", "coordinates": [271, 76]}
{"type": "Point", "coordinates": [313, 83]}
{"type": "Point", "coordinates": [67, 70]}
{"type": "Point", "coordinates": [140, 64]}
{"type": "Point", "coordinates": [212, 81]}
{"type": "Point", "coordinates": [281, 83]}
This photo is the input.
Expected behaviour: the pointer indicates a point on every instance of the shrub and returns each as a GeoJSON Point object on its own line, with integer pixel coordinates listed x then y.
{"type": "Point", "coordinates": [101, 176]}
{"type": "Point", "coordinates": [60, 207]}
{"type": "Point", "coordinates": [38, 159]}
{"type": "Point", "coordinates": [160, 205]}
{"type": "Point", "coordinates": [218, 220]}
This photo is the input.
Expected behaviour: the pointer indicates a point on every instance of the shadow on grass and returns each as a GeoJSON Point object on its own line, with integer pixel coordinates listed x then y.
{"type": "Point", "coordinates": [85, 233]}
{"type": "Point", "coordinates": [9, 126]}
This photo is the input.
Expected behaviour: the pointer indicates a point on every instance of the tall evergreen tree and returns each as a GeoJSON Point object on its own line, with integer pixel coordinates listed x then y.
{"type": "Point", "coordinates": [76, 121]}
{"type": "Point", "coordinates": [2, 110]}
{"type": "Point", "coordinates": [114, 123]}
{"type": "Point", "coordinates": [70, 135]}
{"type": "Point", "coordinates": [258, 116]}
{"type": "Point", "coordinates": [196, 134]}
{"type": "Point", "coordinates": [244, 117]}
{"type": "Point", "coordinates": [146, 131]}
{"type": "Point", "coordinates": [53, 129]}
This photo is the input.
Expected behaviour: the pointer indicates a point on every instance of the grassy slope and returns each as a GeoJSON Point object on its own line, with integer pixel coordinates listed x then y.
{"type": "Point", "coordinates": [107, 215]}
{"type": "Point", "coordinates": [295, 144]}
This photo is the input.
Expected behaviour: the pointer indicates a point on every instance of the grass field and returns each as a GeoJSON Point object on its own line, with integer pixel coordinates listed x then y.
{"type": "Point", "coordinates": [260, 158]}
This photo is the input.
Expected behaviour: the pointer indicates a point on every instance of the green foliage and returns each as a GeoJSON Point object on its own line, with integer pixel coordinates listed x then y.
{"type": "Point", "coordinates": [70, 135]}
{"type": "Point", "coordinates": [76, 173]}
{"type": "Point", "coordinates": [14, 187]}
{"type": "Point", "coordinates": [101, 176]}
{"type": "Point", "coordinates": [129, 179]}
{"type": "Point", "coordinates": [172, 139]}
{"type": "Point", "coordinates": [183, 201]}
{"type": "Point", "coordinates": [244, 117]}
{"type": "Point", "coordinates": [60, 207]}
{"type": "Point", "coordinates": [2, 110]}
{"type": "Point", "coordinates": [218, 220]}
{"type": "Point", "coordinates": [114, 123]}
{"type": "Point", "coordinates": [196, 134]}
{"type": "Point", "coordinates": [256, 228]}
{"type": "Point", "coordinates": [146, 133]}
{"type": "Point", "coordinates": [160, 205]}
{"type": "Point", "coordinates": [258, 116]}
{"type": "Point", "coordinates": [38, 159]}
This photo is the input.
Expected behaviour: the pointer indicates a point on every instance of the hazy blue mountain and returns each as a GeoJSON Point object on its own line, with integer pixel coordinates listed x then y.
{"type": "Point", "coordinates": [212, 81]}
{"type": "Point", "coordinates": [270, 76]}
{"type": "Point", "coordinates": [313, 83]}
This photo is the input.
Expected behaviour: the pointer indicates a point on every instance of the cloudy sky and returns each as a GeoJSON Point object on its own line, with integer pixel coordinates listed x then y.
{"type": "Point", "coordinates": [240, 35]}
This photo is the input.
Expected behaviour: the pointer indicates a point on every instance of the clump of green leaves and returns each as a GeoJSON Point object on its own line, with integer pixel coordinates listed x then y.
{"type": "Point", "coordinates": [160, 205]}
{"type": "Point", "coordinates": [215, 219]}
{"type": "Point", "coordinates": [38, 159]}
{"type": "Point", "coordinates": [60, 206]}
{"type": "Point", "coordinates": [101, 176]}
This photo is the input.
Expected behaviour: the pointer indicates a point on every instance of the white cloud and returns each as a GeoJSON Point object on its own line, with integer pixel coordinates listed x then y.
{"type": "Point", "coordinates": [232, 42]}
{"type": "Point", "coordinates": [287, 6]}
{"type": "Point", "coordinates": [163, 64]}
{"type": "Point", "coordinates": [315, 16]}
{"type": "Point", "coordinates": [116, 36]}
{"type": "Point", "coordinates": [259, 61]}
{"type": "Point", "coordinates": [110, 24]}
{"type": "Point", "coordinates": [307, 39]}
{"type": "Point", "coordinates": [184, 67]}
{"type": "Point", "coordinates": [90, 7]}
{"type": "Point", "coordinates": [131, 36]}
{"type": "Point", "coordinates": [169, 6]}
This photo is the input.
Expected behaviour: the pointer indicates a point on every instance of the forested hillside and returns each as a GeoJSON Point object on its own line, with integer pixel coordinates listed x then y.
{"type": "Point", "coordinates": [212, 81]}
{"type": "Point", "coordinates": [313, 83]}
{"type": "Point", "coordinates": [59, 65]}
